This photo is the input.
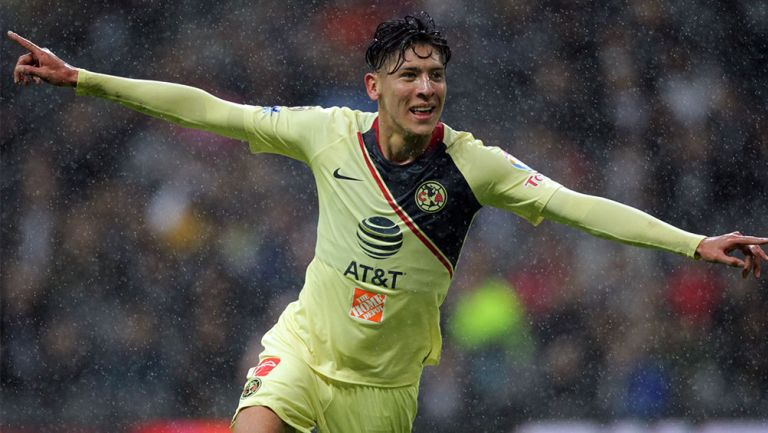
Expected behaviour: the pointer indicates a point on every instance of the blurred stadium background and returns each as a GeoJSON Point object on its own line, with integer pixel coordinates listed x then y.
{"type": "Point", "coordinates": [141, 262]}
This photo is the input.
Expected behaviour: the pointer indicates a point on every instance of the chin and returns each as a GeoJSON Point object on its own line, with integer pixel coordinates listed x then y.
{"type": "Point", "coordinates": [423, 130]}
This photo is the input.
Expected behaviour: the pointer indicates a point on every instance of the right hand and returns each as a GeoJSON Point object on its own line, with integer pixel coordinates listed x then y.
{"type": "Point", "coordinates": [40, 64]}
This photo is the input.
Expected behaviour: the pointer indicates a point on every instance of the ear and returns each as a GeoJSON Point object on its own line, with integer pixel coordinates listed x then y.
{"type": "Point", "coordinates": [372, 85]}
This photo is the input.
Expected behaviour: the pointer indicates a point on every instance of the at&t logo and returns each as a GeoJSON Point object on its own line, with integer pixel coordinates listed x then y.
{"type": "Point", "coordinates": [379, 237]}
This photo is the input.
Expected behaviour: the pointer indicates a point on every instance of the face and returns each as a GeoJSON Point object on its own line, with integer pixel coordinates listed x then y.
{"type": "Point", "coordinates": [410, 99]}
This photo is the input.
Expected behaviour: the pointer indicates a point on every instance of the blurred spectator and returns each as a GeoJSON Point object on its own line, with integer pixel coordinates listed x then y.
{"type": "Point", "coordinates": [489, 327]}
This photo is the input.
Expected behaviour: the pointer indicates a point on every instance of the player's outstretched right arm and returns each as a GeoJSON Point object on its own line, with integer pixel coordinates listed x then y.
{"type": "Point", "coordinates": [187, 106]}
{"type": "Point", "coordinates": [40, 64]}
{"type": "Point", "coordinates": [611, 220]}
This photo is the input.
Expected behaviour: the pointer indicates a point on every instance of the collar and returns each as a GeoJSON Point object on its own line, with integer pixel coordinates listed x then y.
{"type": "Point", "coordinates": [437, 136]}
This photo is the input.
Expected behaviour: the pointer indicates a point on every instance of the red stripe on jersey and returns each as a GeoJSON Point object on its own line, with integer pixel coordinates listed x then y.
{"type": "Point", "coordinates": [399, 211]}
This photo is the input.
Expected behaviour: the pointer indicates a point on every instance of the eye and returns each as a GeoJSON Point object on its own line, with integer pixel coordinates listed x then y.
{"type": "Point", "coordinates": [408, 75]}
{"type": "Point", "coordinates": [437, 76]}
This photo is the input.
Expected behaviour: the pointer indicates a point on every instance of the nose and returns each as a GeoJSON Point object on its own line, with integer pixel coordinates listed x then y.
{"type": "Point", "coordinates": [425, 86]}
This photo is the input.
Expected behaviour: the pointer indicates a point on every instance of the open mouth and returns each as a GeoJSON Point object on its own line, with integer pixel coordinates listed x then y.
{"type": "Point", "coordinates": [422, 110]}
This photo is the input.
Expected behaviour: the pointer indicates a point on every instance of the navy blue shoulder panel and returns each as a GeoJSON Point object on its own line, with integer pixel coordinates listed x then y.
{"type": "Point", "coordinates": [433, 192]}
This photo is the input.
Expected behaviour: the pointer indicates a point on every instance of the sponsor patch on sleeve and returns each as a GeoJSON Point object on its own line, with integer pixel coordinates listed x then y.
{"type": "Point", "coordinates": [368, 306]}
{"type": "Point", "coordinates": [535, 180]}
{"type": "Point", "coordinates": [265, 366]}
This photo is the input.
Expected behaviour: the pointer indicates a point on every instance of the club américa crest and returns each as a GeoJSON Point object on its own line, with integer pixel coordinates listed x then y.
{"type": "Point", "coordinates": [431, 196]}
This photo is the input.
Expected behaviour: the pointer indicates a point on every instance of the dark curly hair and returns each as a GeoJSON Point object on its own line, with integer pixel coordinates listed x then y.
{"type": "Point", "coordinates": [393, 37]}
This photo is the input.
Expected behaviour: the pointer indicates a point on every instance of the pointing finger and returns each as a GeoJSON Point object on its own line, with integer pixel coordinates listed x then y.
{"type": "Point", "coordinates": [746, 240]}
{"type": "Point", "coordinates": [34, 49]}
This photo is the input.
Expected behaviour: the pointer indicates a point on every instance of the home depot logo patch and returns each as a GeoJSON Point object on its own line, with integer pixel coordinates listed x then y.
{"type": "Point", "coordinates": [367, 306]}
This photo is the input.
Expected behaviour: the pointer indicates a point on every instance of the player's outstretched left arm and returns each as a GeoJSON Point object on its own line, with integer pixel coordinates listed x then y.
{"type": "Point", "coordinates": [611, 220]}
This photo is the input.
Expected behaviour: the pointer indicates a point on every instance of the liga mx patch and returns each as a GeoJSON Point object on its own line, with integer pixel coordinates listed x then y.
{"type": "Point", "coordinates": [254, 383]}
{"type": "Point", "coordinates": [367, 305]}
{"type": "Point", "coordinates": [251, 387]}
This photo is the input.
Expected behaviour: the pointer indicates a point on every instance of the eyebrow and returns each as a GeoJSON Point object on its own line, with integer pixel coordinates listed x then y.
{"type": "Point", "coordinates": [415, 69]}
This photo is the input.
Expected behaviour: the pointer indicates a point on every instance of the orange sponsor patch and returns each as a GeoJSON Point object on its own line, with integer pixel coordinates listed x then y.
{"type": "Point", "coordinates": [264, 367]}
{"type": "Point", "coordinates": [367, 305]}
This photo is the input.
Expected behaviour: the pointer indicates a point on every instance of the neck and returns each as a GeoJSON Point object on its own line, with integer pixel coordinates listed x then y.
{"type": "Point", "coordinates": [401, 148]}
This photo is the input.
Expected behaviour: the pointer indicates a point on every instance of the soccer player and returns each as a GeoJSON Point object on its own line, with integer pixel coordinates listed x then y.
{"type": "Point", "coordinates": [397, 192]}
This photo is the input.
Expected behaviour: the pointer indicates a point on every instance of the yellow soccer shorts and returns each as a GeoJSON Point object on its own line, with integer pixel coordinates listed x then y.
{"type": "Point", "coordinates": [305, 399]}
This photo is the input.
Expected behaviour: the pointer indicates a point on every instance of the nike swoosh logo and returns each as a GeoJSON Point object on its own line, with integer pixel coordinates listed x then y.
{"type": "Point", "coordinates": [338, 175]}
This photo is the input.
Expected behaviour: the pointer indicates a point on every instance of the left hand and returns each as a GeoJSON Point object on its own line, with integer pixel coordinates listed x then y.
{"type": "Point", "coordinates": [716, 249]}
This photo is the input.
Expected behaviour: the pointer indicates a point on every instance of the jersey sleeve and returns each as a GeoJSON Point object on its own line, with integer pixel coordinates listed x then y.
{"type": "Point", "coordinates": [292, 131]}
{"type": "Point", "coordinates": [184, 105]}
{"type": "Point", "coordinates": [297, 132]}
{"type": "Point", "coordinates": [615, 221]}
{"type": "Point", "coordinates": [500, 180]}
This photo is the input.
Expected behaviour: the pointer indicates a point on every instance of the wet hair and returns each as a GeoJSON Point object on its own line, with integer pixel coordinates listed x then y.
{"type": "Point", "coordinates": [393, 37]}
